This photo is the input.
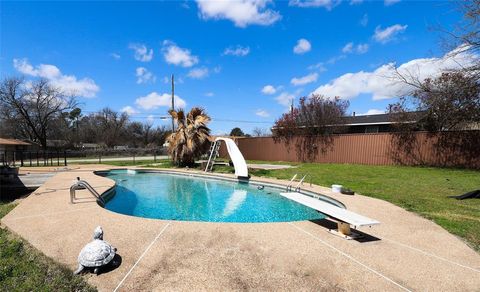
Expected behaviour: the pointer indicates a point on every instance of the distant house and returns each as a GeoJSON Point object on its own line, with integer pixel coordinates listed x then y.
{"type": "Point", "coordinates": [120, 147]}
{"type": "Point", "coordinates": [88, 146]}
{"type": "Point", "coordinates": [12, 145]}
{"type": "Point", "coordinates": [8, 147]}
{"type": "Point", "coordinates": [380, 123]}
{"type": "Point", "coordinates": [57, 144]}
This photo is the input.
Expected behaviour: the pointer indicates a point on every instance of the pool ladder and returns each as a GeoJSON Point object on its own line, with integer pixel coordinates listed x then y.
{"type": "Point", "coordinates": [80, 185]}
{"type": "Point", "coordinates": [300, 182]}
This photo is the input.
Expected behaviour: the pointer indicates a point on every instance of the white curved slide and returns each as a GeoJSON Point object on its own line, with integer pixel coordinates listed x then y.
{"type": "Point", "coordinates": [241, 169]}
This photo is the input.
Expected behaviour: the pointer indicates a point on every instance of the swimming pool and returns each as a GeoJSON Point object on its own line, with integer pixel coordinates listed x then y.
{"type": "Point", "coordinates": [171, 196]}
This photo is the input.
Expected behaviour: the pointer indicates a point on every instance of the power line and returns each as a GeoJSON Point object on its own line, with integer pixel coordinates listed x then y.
{"type": "Point", "coordinates": [164, 117]}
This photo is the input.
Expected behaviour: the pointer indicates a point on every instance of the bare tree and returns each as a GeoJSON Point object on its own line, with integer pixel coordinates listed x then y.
{"type": "Point", "coordinates": [260, 132]}
{"type": "Point", "coordinates": [448, 107]}
{"type": "Point", "coordinates": [34, 106]}
{"type": "Point", "coordinates": [112, 126]}
{"type": "Point", "coordinates": [311, 125]}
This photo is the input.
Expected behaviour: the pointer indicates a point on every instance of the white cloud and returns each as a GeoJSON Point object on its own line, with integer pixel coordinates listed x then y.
{"type": "Point", "coordinates": [364, 20]}
{"type": "Point", "coordinates": [209, 94]}
{"type": "Point", "coordinates": [238, 51]}
{"type": "Point", "coordinates": [85, 87]}
{"type": "Point", "coordinates": [381, 82]}
{"type": "Point", "coordinates": [178, 56]}
{"type": "Point", "coordinates": [217, 69]}
{"type": "Point", "coordinates": [198, 73]}
{"type": "Point", "coordinates": [144, 76]}
{"type": "Point", "coordinates": [269, 89]}
{"type": "Point", "coordinates": [302, 46]}
{"type": "Point", "coordinates": [262, 113]}
{"type": "Point", "coordinates": [285, 99]}
{"type": "Point", "coordinates": [335, 59]}
{"type": "Point", "coordinates": [372, 112]}
{"type": "Point", "coordinates": [348, 48]}
{"type": "Point", "coordinates": [351, 48]}
{"type": "Point", "coordinates": [354, 2]}
{"type": "Point", "coordinates": [155, 100]}
{"type": "Point", "coordinates": [388, 34]}
{"type": "Point", "coordinates": [320, 67]}
{"type": "Point", "coordinates": [327, 4]}
{"type": "Point", "coordinates": [390, 2]}
{"type": "Point", "coordinates": [142, 53]}
{"type": "Point", "coordinates": [241, 12]}
{"type": "Point", "coordinates": [312, 77]}
{"type": "Point", "coordinates": [129, 110]}
{"type": "Point", "coordinates": [362, 48]}
{"type": "Point", "coordinates": [115, 56]}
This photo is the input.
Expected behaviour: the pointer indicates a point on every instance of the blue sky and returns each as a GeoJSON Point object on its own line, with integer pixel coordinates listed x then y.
{"type": "Point", "coordinates": [223, 54]}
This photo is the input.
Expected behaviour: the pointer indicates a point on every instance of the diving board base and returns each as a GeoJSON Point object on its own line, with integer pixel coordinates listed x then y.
{"type": "Point", "coordinates": [344, 231]}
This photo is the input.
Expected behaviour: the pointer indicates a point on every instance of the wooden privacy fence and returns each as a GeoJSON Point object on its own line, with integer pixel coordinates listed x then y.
{"type": "Point", "coordinates": [371, 149]}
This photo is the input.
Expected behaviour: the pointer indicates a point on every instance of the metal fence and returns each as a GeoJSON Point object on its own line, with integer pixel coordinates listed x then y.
{"type": "Point", "coordinates": [33, 158]}
{"type": "Point", "coordinates": [64, 157]}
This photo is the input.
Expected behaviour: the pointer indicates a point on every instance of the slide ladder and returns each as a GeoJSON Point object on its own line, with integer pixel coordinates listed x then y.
{"type": "Point", "coordinates": [214, 148]}
{"type": "Point", "coordinates": [241, 169]}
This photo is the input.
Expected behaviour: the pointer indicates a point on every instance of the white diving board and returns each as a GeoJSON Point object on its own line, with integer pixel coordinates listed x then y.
{"type": "Point", "coordinates": [344, 217]}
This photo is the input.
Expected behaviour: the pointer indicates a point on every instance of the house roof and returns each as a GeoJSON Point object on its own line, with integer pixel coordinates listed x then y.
{"type": "Point", "coordinates": [368, 119]}
{"type": "Point", "coordinates": [380, 119]}
{"type": "Point", "coordinates": [5, 141]}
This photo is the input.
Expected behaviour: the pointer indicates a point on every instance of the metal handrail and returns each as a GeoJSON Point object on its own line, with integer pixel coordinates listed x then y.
{"type": "Point", "coordinates": [297, 187]}
{"type": "Point", "coordinates": [83, 184]}
{"type": "Point", "coordinates": [289, 187]}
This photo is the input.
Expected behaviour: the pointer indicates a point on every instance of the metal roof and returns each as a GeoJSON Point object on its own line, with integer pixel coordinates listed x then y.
{"type": "Point", "coordinates": [4, 141]}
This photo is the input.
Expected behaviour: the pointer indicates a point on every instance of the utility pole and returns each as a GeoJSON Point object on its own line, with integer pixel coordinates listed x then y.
{"type": "Point", "coordinates": [173, 103]}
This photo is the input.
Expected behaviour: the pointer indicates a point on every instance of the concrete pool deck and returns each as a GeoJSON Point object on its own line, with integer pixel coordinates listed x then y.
{"type": "Point", "coordinates": [405, 252]}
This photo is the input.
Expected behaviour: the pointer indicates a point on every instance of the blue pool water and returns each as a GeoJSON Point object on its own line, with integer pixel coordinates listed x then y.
{"type": "Point", "coordinates": [180, 197]}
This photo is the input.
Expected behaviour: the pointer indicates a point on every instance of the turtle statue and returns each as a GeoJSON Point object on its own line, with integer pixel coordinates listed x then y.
{"type": "Point", "coordinates": [95, 254]}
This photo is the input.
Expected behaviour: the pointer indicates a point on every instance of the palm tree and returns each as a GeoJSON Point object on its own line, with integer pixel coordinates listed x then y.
{"type": "Point", "coordinates": [192, 137]}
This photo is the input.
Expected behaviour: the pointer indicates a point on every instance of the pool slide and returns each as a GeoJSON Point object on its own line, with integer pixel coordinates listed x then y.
{"type": "Point", "coordinates": [241, 169]}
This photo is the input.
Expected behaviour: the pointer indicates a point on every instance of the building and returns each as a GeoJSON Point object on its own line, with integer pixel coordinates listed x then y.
{"type": "Point", "coordinates": [8, 147]}
{"type": "Point", "coordinates": [380, 123]}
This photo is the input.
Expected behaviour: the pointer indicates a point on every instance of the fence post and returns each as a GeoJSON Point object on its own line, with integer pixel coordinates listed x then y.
{"type": "Point", "coordinates": [51, 158]}
{"type": "Point", "coordinates": [58, 158]}
{"type": "Point", "coordinates": [38, 163]}
{"type": "Point", "coordinates": [14, 158]}
{"type": "Point", "coordinates": [133, 157]}
{"type": "Point", "coordinates": [99, 157]}
{"type": "Point", "coordinates": [30, 158]}
{"type": "Point", "coordinates": [21, 158]}
{"type": "Point", "coordinates": [65, 157]}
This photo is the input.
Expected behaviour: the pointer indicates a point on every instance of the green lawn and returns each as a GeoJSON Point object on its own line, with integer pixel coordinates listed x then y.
{"type": "Point", "coordinates": [422, 190]}
{"type": "Point", "coordinates": [23, 268]}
